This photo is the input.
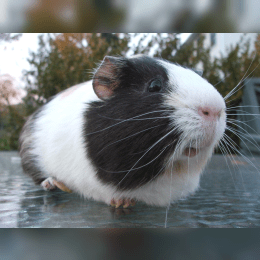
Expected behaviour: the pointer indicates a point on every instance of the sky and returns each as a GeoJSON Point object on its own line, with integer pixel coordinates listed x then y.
{"type": "Point", "coordinates": [13, 56]}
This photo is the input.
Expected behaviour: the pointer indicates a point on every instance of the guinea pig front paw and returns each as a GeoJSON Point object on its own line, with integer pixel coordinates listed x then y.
{"type": "Point", "coordinates": [125, 203]}
{"type": "Point", "coordinates": [51, 184]}
{"type": "Point", "coordinates": [48, 184]}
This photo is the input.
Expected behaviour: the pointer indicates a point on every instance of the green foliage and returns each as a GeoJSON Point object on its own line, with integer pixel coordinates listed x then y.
{"type": "Point", "coordinates": [13, 120]}
{"type": "Point", "coordinates": [64, 60]}
{"type": "Point", "coordinates": [169, 47]}
{"type": "Point", "coordinates": [4, 144]}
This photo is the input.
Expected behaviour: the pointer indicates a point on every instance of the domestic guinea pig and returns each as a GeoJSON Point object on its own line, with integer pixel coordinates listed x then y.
{"type": "Point", "coordinates": [142, 130]}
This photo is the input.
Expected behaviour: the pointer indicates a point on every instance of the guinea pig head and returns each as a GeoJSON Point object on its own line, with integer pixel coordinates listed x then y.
{"type": "Point", "coordinates": [151, 112]}
{"type": "Point", "coordinates": [199, 110]}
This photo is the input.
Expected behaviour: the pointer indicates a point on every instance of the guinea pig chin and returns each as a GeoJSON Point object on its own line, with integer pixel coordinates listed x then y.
{"type": "Point", "coordinates": [194, 149]}
{"type": "Point", "coordinates": [201, 136]}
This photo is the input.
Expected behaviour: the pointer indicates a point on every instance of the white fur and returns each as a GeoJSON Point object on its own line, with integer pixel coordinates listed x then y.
{"type": "Point", "coordinates": [189, 92]}
{"type": "Point", "coordinates": [58, 142]}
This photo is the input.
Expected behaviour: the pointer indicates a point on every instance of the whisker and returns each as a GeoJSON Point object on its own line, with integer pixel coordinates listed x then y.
{"type": "Point", "coordinates": [132, 169]}
{"type": "Point", "coordinates": [170, 161]}
{"type": "Point", "coordinates": [231, 120]}
{"type": "Point", "coordinates": [136, 119]}
{"type": "Point", "coordinates": [243, 114]}
{"type": "Point", "coordinates": [241, 111]}
{"type": "Point", "coordinates": [241, 135]}
{"type": "Point", "coordinates": [222, 146]}
{"type": "Point", "coordinates": [232, 92]}
{"type": "Point", "coordinates": [229, 143]}
{"type": "Point", "coordinates": [125, 120]}
{"type": "Point", "coordinates": [249, 161]}
{"type": "Point", "coordinates": [229, 108]}
{"type": "Point", "coordinates": [234, 161]}
{"type": "Point", "coordinates": [128, 137]}
{"type": "Point", "coordinates": [168, 207]}
{"type": "Point", "coordinates": [241, 86]}
{"type": "Point", "coordinates": [222, 80]}
{"type": "Point", "coordinates": [238, 121]}
{"type": "Point", "coordinates": [174, 129]}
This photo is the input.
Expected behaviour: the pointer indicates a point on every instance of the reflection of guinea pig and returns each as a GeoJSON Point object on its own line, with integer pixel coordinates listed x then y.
{"type": "Point", "coordinates": [143, 132]}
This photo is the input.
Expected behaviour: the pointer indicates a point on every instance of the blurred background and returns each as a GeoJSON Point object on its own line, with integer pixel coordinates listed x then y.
{"type": "Point", "coordinates": [129, 16]}
{"type": "Point", "coordinates": [34, 67]}
{"type": "Point", "coordinates": [127, 244]}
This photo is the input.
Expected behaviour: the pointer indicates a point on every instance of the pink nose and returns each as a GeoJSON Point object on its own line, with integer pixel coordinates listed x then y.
{"type": "Point", "coordinates": [209, 113]}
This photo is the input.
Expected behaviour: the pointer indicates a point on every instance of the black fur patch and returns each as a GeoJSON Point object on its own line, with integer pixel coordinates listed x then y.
{"type": "Point", "coordinates": [120, 131]}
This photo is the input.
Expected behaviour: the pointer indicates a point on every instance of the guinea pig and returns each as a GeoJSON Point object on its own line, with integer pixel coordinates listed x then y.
{"type": "Point", "coordinates": [142, 130]}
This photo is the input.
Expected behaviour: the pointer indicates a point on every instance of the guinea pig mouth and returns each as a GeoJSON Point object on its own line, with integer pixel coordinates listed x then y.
{"type": "Point", "coordinates": [191, 152]}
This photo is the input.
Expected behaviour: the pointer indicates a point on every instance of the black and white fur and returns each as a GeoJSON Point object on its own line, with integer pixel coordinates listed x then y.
{"type": "Point", "coordinates": [113, 138]}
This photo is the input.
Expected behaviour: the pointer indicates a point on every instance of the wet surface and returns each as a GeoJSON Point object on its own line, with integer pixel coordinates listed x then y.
{"type": "Point", "coordinates": [229, 196]}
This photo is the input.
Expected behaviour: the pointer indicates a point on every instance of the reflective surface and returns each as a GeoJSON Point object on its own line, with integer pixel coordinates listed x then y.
{"type": "Point", "coordinates": [228, 197]}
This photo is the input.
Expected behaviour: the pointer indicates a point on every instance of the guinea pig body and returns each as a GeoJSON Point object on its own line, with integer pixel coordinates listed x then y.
{"type": "Point", "coordinates": [142, 129]}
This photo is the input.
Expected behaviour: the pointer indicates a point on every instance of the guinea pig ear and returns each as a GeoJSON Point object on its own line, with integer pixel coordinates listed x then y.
{"type": "Point", "coordinates": [105, 79]}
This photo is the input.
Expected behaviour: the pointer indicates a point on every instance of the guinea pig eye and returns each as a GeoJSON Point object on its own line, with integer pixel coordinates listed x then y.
{"type": "Point", "coordinates": [155, 86]}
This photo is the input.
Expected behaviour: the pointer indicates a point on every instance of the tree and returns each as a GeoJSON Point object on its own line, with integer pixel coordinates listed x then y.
{"type": "Point", "coordinates": [66, 59]}
{"type": "Point", "coordinates": [11, 116]}
{"type": "Point", "coordinates": [8, 37]}
{"type": "Point", "coordinates": [7, 90]}
{"type": "Point", "coordinates": [169, 47]}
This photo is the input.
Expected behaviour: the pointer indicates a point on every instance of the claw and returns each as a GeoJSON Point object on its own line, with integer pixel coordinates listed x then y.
{"type": "Point", "coordinates": [61, 186]}
{"type": "Point", "coordinates": [132, 202]}
{"type": "Point", "coordinates": [113, 203]}
{"type": "Point", "coordinates": [119, 203]}
{"type": "Point", "coordinates": [125, 203]}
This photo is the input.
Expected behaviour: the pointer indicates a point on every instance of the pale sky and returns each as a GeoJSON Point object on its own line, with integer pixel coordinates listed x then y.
{"type": "Point", "coordinates": [13, 56]}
